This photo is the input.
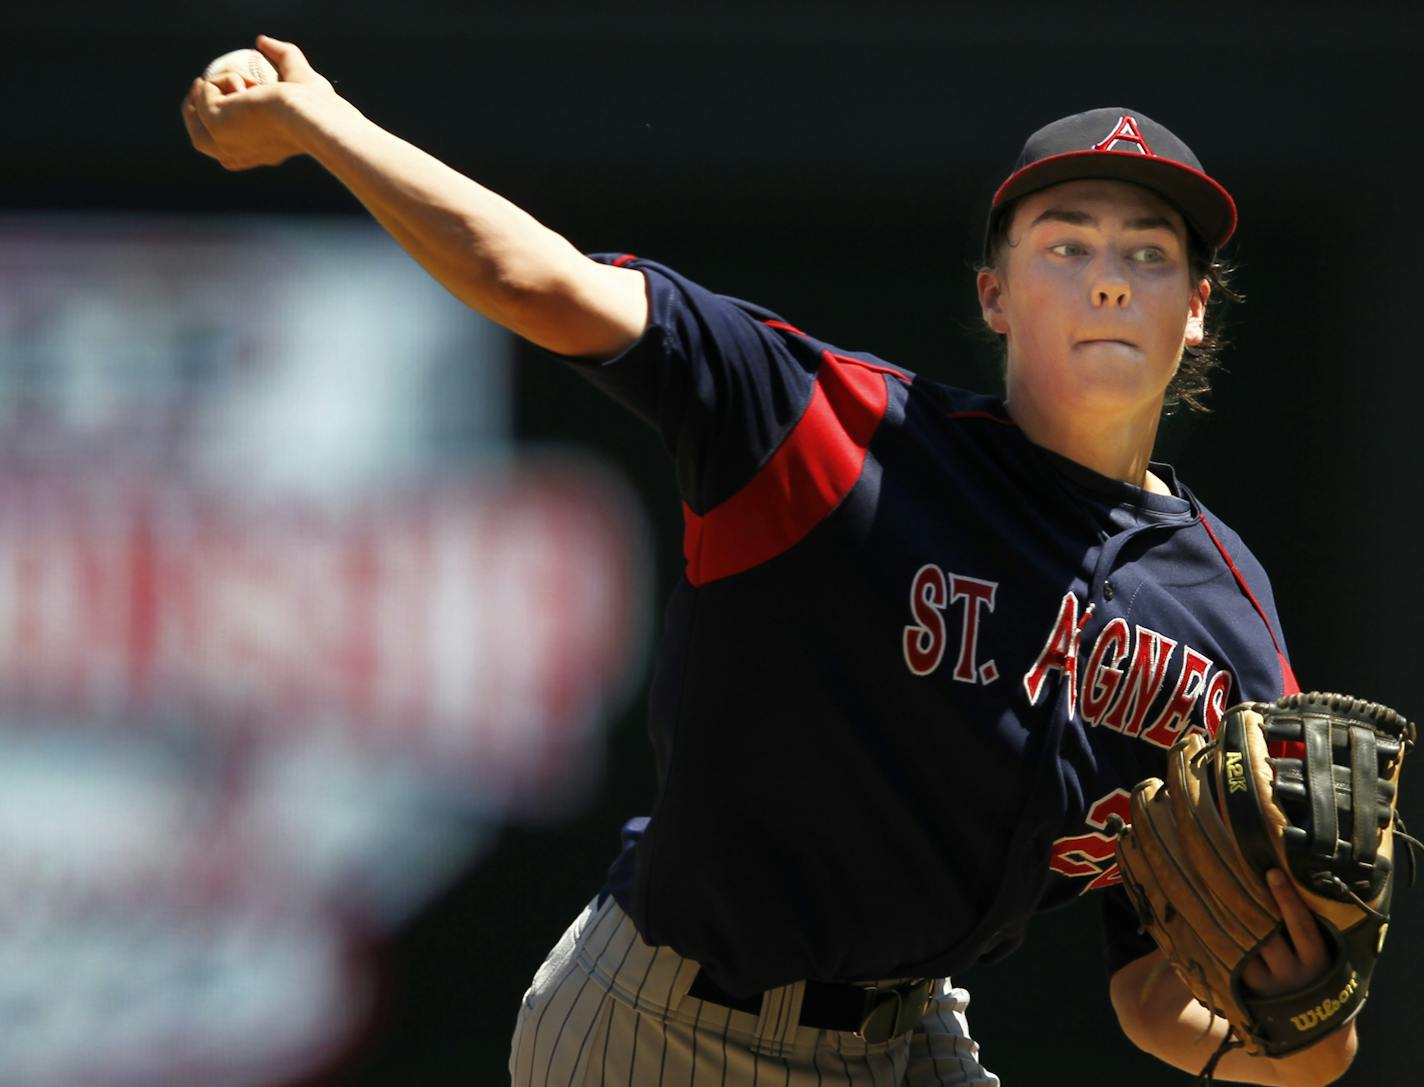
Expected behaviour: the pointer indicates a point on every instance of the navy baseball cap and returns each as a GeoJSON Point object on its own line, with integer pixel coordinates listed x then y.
{"type": "Point", "coordinates": [1119, 144]}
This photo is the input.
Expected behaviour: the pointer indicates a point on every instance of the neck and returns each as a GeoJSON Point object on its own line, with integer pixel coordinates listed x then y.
{"type": "Point", "coordinates": [1113, 444]}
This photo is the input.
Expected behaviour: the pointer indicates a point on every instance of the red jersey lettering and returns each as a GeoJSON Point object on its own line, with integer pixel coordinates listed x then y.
{"type": "Point", "coordinates": [1060, 652]}
{"type": "Point", "coordinates": [974, 593]}
{"type": "Point", "coordinates": [1190, 684]}
{"type": "Point", "coordinates": [1214, 708]}
{"type": "Point", "coordinates": [924, 640]}
{"type": "Point", "coordinates": [1102, 677]}
{"type": "Point", "coordinates": [1079, 856]}
{"type": "Point", "coordinates": [1142, 682]}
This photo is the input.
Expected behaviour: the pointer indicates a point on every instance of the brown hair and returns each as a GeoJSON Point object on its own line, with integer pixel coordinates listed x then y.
{"type": "Point", "coordinates": [1192, 381]}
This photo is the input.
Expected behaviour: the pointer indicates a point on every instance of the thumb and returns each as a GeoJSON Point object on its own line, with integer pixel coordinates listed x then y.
{"type": "Point", "coordinates": [291, 63]}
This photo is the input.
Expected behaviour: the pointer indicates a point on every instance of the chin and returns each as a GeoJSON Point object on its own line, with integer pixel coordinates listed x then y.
{"type": "Point", "coordinates": [1111, 392]}
{"type": "Point", "coordinates": [1113, 380]}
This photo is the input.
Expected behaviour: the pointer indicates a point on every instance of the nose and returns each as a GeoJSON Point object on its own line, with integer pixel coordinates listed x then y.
{"type": "Point", "coordinates": [1110, 287]}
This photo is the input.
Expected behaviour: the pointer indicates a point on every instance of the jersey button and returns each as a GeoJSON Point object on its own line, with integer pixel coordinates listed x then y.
{"type": "Point", "coordinates": [1107, 590]}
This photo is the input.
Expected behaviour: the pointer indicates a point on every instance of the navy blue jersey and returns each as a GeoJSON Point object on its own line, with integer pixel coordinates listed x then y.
{"type": "Point", "coordinates": [915, 661]}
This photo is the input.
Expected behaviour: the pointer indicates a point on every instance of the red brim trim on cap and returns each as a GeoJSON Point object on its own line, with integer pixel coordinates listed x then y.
{"type": "Point", "coordinates": [1214, 212]}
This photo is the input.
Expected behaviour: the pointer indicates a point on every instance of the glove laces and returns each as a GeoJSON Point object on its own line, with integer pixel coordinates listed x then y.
{"type": "Point", "coordinates": [1409, 840]}
{"type": "Point", "coordinates": [1230, 1042]}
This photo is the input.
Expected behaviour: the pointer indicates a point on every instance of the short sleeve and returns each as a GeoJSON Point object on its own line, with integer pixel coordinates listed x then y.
{"type": "Point", "coordinates": [722, 381]}
{"type": "Point", "coordinates": [1122, 941]}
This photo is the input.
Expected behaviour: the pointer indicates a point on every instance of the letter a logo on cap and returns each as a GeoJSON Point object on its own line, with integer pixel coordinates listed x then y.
{"type": "Point", "coordinates": [1125, 132]}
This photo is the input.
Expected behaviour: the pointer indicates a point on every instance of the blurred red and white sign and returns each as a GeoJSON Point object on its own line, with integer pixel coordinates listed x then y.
{"type": "Point", "coordinates": [288, 628]}
{"type": "Point", "coordinates": [469, 631]}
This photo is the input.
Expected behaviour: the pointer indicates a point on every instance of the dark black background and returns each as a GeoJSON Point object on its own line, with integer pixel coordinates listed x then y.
{"type": "Point", "coordinates": [833, 161]}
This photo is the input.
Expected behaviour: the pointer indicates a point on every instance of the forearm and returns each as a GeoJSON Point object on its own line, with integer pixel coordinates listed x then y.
{"type": "Point", "coordinates": [490, 254]}
{"type": "Point", "coordinates": [1161, 1017]}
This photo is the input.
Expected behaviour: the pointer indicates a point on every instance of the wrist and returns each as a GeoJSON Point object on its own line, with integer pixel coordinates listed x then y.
{"type": "Point", "coordinates": [310, 117]}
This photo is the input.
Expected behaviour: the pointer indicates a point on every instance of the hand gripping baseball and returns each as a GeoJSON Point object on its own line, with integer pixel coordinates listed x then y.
{"type": "Point", "coordinates": [1306, 785]}
{"type": "Point", "coordinates": [244, 126]}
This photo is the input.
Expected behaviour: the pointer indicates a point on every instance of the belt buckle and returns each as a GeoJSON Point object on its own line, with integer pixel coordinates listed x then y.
{"type": "Point", "coordinates": [888, 1012]}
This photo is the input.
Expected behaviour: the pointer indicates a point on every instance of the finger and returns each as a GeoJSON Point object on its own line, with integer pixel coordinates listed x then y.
{"type": "Point", "coordinates": [1300, 922]}
{"type": "Point", "coordinates": [209, 95]}
{"type": "Point", "coordinates": [1278, 957]}
{"type": "Point", "coordinates": [198, 133]}
{"type": "Point", "coordinates": [201, 138]}
{"type": "Point", "coordinates": [194, 98]}
{"type": "Point", "coordinates": [291, 63]}
{"type": "Point", "coordinates": [228, 82]}
{"type": "Point", "coordinates": [1254, 975]}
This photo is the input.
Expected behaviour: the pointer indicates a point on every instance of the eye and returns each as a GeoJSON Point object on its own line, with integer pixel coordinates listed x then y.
{"type": "Point", "coordinates": [1068, 249]}
{"type": "Point", "coordinates": [1147, 254]}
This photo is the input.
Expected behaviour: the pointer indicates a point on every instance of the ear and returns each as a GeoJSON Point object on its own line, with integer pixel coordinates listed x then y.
{"type": "Point", "coordinates": [991, 300]}
{"type": "Point", "coordinates": [1196, 314]}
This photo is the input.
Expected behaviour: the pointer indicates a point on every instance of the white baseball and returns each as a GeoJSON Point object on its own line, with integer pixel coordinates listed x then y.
{"type": "Point", "coordinates": [248, 63]}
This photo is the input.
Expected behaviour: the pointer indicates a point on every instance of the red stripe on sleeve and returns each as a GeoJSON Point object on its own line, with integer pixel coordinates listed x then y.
{"type": "Point", "coordinates": [624, 259]}
{"type": "Point", "coordinates": [804, 481]}
{"type": "Point", "coordinates": [784, 327]}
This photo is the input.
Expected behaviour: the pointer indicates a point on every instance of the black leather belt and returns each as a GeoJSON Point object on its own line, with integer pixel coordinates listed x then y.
{"type": "Point", "coordinates": [870, 1012]}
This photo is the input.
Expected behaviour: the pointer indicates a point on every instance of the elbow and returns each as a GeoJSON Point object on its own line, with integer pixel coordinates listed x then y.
{"type": "Point", "coordinates": [1137, 1030]}
{"type": "Point", "coordinates": [557, 322]}
{"type": "Point", "coordinates": [503, 287]}
{"type": "Point", "coordinates": [537, 309]}
{"type": "Point", "coordinates": [549, 293]}
{"type": "Point", "coordinates": [519, 286]}
{"type": "Point", "coordinates": [1131, 993]}
{"type": "Point", "coordinates": [586, 310]}
{"type": "Point", "coordinates": [491, 274]}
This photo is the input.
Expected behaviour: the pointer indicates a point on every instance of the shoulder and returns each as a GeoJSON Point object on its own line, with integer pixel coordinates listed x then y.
{"type": "Point", "coordinates": [1227, 539]}
{"type": "Point", "coordinates": [969, 408]}
{"type": "Point", "coordinates": [675, 295]}
{"type": "Point", "coordinates": [664, 281]}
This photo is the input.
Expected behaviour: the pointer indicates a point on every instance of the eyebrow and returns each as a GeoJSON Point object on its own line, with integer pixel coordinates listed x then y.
{"type": "Point", "coordinates": [1082, 218]}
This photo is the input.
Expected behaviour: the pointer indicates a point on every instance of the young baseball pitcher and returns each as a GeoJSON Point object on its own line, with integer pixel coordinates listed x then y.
{"type": "Point", "coordinates": [926, 646]}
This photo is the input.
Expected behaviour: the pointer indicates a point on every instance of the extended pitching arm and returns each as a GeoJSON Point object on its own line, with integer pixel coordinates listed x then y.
{"type": "Point", "coordinates": [491, 255]}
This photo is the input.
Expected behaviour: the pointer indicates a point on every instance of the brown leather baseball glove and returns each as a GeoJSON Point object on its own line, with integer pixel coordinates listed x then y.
{"type": "Point", "coordinates": [1307, 784]}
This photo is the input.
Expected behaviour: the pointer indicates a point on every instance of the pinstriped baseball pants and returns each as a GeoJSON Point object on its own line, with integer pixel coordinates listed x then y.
{"type": "Point", "coordinates": [607, 1009]}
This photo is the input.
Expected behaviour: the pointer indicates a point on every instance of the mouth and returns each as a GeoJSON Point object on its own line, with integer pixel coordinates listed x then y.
{"type": "Point", "coordinates": [1106, 341]}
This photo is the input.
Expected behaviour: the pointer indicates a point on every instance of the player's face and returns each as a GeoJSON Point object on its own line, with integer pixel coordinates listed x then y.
{"type": "Point", "coordinates": [1095, 298]}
